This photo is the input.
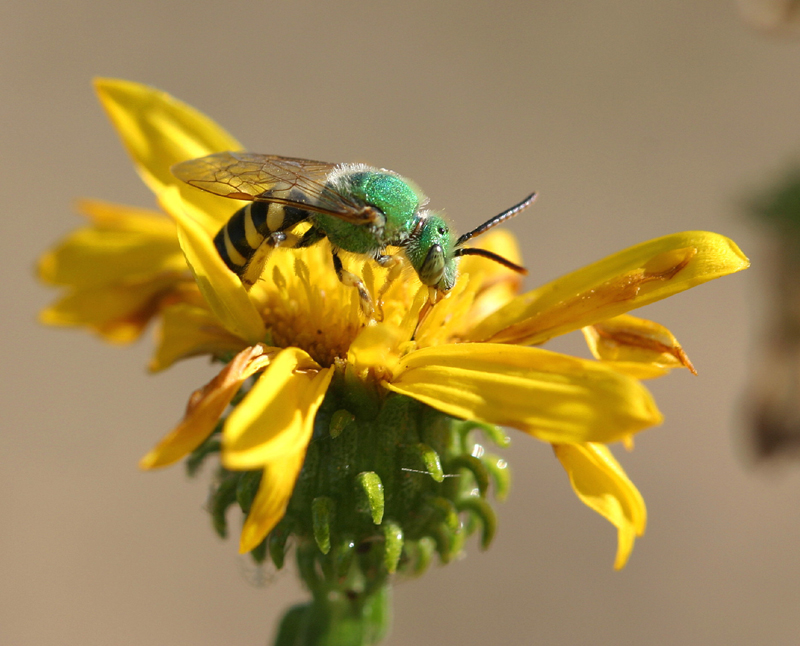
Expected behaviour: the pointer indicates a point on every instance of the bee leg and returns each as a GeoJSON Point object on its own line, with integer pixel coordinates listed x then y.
{"type": "Point", "coordinates": [423, 314]}
{"type": "Point", "coordinates": [251, 273]}
{"type": "Point", "coordinates": [351, 280]}
{"type": "Point", "coordinates": [255, 266]}
{"type": "Point", "coordinates": [310, 237]}
{"type": "Point", "coordinates": [293, 241]}
{"type": "Point", "coordinates": [395, 266]}
{"type": "Point", "coordinates": [276, 239]}
{"type": "Point", "coordinates": [385, 260]}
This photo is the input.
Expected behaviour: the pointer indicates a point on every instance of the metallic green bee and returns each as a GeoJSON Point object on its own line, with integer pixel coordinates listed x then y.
{"type": "Point", "coordinates": [360, 209]}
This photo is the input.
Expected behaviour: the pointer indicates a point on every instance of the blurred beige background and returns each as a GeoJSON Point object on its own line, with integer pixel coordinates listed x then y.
{"type": "Point", "coordinates": [632, 120]}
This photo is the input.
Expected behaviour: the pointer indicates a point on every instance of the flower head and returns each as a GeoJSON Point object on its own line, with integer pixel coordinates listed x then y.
{"type": "Point", "coordinates": [317, 407]}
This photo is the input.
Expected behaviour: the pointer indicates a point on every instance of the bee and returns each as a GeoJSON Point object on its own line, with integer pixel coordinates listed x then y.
{"type": "Point", "coordinates": [360, 209]}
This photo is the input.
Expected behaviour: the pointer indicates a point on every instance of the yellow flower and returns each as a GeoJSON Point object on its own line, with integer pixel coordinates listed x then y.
{"type": "Point", "coordinates": [469, 356]}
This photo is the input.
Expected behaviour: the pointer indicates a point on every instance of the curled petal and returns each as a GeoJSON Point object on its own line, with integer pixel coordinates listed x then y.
{"type": "Point", "coordinates": [205, 407]}
{"type": "Point", "coordinates": [554, 397]}
{"type": "Point", "coordinates": [637, 370]}
{"type": "Point", "coordinates": [276, 417]}
{"type": "Point", "coordinates": [160, 131]}
{"type": "Point", "coordinates": [222, 289]}
{"type": "Point", "coordinates": [624, 281]}
{"type": "Point", "coordinates": [600, 482]}
{"type": "Point", "coordinates": [631, 339]}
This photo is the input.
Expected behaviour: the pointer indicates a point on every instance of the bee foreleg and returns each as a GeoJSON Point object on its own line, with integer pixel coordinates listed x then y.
{"type": "Point", "coordinates": [351, 280]}
{"type": "Point", "coordinates": [395, 266]}
{"type": "Point", "coordinates": [385, 260]}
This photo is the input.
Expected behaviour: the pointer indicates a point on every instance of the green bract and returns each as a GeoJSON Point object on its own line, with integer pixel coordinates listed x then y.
{"type": "Point", "coordinates": [386, 483]}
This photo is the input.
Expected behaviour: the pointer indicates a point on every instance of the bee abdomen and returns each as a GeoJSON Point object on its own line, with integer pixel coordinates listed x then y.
{"type": "Point", "coordinates": [240, 237]}
{"type": "Point", "coordinates": [233, 243]}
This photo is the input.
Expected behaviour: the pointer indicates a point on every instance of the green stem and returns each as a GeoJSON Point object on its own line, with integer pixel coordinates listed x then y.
{"type": "Point", "coordinates": [336, 619]}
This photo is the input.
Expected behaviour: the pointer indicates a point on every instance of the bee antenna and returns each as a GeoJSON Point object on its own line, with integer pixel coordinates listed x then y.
{"type": "Point", "coordinates": [497, 219]}
{"type": "Point", "coordinates": [484, 253]}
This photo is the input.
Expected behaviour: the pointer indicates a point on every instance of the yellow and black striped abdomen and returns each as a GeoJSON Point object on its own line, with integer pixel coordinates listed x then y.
{"type": "Point", "coordinates": [248, 228]}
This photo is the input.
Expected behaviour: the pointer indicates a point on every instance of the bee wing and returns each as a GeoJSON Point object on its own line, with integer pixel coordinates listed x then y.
{"type": "Point", "coordinates": [272, 178]}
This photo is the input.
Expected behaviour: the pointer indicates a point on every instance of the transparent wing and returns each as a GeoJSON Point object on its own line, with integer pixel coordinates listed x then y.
{"type": "Point", "coordinates": [272, 178]}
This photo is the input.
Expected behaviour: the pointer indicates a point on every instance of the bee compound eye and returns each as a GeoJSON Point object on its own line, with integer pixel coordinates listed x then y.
{"type": "Point", "coordinates": [433, 267]}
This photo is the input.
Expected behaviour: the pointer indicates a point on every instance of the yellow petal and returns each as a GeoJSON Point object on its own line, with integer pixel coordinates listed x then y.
{"type": "Point", "coordinates": [160, 131]}
{"type": "Point", "coordinates": [554, 397]}
{"type": "Point", "coordinates": [504, 244]}
{"type": "Point", "coordinates": [600, 482]}
{"type": "Point", "coordinates": [629, 279]}
{"type": "Point", "coordinates": [269, 505]}
{"type": "Point", "coordinates": [446, 321]}
{"type": "Point", "coordinates": [222, 289]}
{"type": "Point", "coordinates": [637, 370]}
{"type": "Point", "coordinates": [187, 331]}
{"type": "Point", "coordinates": [111, 216]}
{"type": "Point", "coordinates": [483, 286]}
{"type": "Point", "coordinates": [375, 347]}
{"type": "Point", "coordinates": [116, 312]}
{"type": "Point", "coordinates": [205, 408]}
{"type": "Point", "coordinates": [490, 299]}
{"type": "Point", "coordinates": [631, 339]}
{"type": "Point", "coordinates": [123, 243]}
{"type": "Point", "coordinates": [276, 417]}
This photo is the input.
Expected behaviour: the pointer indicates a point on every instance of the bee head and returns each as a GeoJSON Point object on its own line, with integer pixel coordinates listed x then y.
{"type": "Point", "coordinates": [430, 251]}
{"type": "Point", "coordinates": [434, 252]}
